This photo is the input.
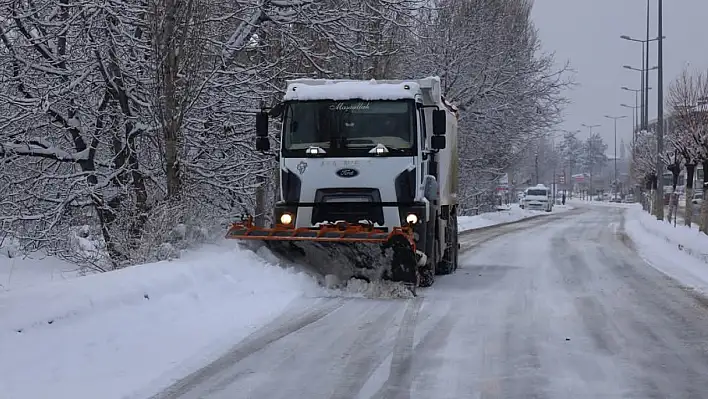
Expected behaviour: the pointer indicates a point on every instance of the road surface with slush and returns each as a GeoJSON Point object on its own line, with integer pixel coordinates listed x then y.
{"type": "Point", "coordinates": [555, 307]}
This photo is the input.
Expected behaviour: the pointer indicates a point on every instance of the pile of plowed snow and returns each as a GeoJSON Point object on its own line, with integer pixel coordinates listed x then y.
{"type": "Point", "coordinates": [105, 335]}
{"type": "Point", "coordinates": [358, 288]}
{"type": "Point", "coordinates": [333, 286]}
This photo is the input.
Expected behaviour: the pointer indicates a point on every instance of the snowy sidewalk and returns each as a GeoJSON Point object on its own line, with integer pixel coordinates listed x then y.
{"type": "Point", "coordinates": [679, 252]}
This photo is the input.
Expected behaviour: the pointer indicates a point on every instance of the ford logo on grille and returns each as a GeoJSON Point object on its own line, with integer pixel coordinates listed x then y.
{"type": "Point", "coordinates": [347, 172]}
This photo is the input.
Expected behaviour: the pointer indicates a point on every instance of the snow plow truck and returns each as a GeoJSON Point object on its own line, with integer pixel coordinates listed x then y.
{"type": "Point", "coordinates": [368, 180]}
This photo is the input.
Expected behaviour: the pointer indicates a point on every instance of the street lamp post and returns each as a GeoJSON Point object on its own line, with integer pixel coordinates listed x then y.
{"type": "Point", "coordinates": [643, 84]}
{"type": "Point", "coordinates": [615, 118]}
{"type": "Point", "coordinates": [590, 127]}
{"type": "Point", "coordinates": [645, 106]}
{"type": "Point", "coordinates": [645, 73]}
{"type": "Point", "coordinates": [635, 123]}
{"type": "Point", "coordinates": [638, 124]}
{"type": "Point", "coordinates": [636, 103]}
{"type": "Point", "coordinates": [660, 121]}
{"type": "Point", "coordinates": [646, 70]}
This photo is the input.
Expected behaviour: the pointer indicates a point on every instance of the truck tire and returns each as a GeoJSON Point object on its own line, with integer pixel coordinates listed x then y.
{"type": "Point", "coordinates": [427, 275]}
{"type": "Point", "coordinates": [427, 272]}
{"type": "Point", "coordinates": [448, 264]}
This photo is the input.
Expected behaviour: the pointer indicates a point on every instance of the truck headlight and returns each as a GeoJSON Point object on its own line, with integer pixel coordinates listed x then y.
{"type": "Point", "coordinates": [412, 218]}
{"type": "Point", "coordinates": [286, 218]}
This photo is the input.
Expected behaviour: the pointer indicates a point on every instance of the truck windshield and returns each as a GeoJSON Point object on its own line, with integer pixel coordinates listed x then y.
{"type": "Point", "coordinates": [350, 126]}
{"type": "Point", "coordinates": [536, 192]}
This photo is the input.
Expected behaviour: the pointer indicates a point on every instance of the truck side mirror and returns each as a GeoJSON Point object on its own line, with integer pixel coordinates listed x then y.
{"type": "Point", "coordinates": [437, 142]}
{"type": "Point", "coordinates": [277, 110]}
{"type": "Point", "coordinates": [262, 144]}
{"type": "Point", "coordinates": [439, 122]}
{"type": "Point", "coordinates": [262, 124]}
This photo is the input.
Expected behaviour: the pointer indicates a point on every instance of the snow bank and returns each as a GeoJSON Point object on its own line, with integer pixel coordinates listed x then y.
{"type": "Point", "coordinates": [19, 271]}
{"type": "Point", "coordinates": [104, 335]}
{"type": "Point", "coordinates": [679, 252]}
{"type": "Point", "coordinates": [512, 214]}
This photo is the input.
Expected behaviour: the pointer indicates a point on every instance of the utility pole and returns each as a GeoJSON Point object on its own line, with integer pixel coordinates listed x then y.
{"type": "Point", "coordinates": [642, 90]}
{"type": "Point", "coordinates": [555, 161]}
{"type": "Point", "coordinates": [646, 70]}
{"type": "Point", "coordinates": [615, 119]}
{"type": "Point", "coordinates": [660, 121]}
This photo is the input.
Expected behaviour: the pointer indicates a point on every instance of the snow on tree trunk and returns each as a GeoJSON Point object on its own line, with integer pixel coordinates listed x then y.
{"type": "Point", "coordinates": [704, 205]}
{"type": "Point", "coordinates": [690, 172]}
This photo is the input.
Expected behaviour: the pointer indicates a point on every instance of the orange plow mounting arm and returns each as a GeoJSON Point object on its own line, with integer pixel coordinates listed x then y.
{"type": "Point", "coordinates": [344, 232]}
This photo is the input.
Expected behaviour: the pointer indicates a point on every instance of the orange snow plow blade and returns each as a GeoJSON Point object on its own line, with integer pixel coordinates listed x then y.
{"type": "Point", "coordinates": [246, 230]}
{"type": "Point", "coordinates": [345, 250]}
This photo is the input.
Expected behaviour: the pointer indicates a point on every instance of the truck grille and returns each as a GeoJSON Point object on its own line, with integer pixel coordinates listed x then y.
{"type": "Point", "coordinates": [350, 205]}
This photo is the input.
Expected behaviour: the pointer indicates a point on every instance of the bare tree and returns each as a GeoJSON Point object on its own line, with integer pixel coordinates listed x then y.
{"type": "Point", "coordinates": [674, 162]}
{"type": "Point", "coordinates": [571, 151]}
{"type": "Point", "coordinates": [644, 164]}
{"type": "Point", "coordinates": [488, 56]}
{"type": "Point", "coordinates": [129, 124]}
{"type": "Point", "coordinates": [687, 99]}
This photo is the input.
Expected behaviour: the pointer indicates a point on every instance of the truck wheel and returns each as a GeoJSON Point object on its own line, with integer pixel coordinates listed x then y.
{"type": "Point", "coordinates": [455, 248]}
{"type": "Point", "coordinates": [427, 275]}
{"type": "Point", "coordinates": [427, 272]}
{"type": "Point", "coordinates": [448, 264]}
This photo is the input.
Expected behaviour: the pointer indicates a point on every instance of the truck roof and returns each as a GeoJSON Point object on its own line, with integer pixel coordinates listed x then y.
{"type": "Point", "coordinates": [368, 90]}
{"type": "Point", "coordinates": [347, 90]}
{"type": "Point", "coordinates": [537, 187]}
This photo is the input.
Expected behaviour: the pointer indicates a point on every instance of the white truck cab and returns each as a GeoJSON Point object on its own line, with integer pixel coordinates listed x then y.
{"type": "Point", "coordinates": [538, 198]}
{"type": "Point", "coordinates": [372, 153]}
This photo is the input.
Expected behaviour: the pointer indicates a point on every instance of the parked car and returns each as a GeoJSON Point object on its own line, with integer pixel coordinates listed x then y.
{"type": "Point", "coordinates": [697, 198]}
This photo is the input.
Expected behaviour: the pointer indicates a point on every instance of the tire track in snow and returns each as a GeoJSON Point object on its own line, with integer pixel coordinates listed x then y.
{"type": "Point", "coordinates": [581, 281]}
{"type": "Point", "coordinates": [524, 374]}
{"type": "Point", "coordinates": [366, 354]}
{"type": "Point", "coordinates": [429, 363]}
{"type": "Point", "coordinates": [679, 356]}
{"type": "Point", "coordinates": [400, 379]}
{"type": "Point", "coordinates": [473, 238]}
{"type": "Point", "coordinates": [290, 321]}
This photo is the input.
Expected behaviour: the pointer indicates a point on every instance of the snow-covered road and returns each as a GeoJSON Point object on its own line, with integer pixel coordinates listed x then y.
{"type": "Point", "coordinates": [560, 307]}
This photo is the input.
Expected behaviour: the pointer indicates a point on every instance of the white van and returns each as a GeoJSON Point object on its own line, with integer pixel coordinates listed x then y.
{"type": "Point", "coordinates": [538, 198]}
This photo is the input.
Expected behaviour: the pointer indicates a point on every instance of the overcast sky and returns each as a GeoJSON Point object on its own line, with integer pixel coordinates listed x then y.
{"type": "Point", "coordinates": [587, 33]}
